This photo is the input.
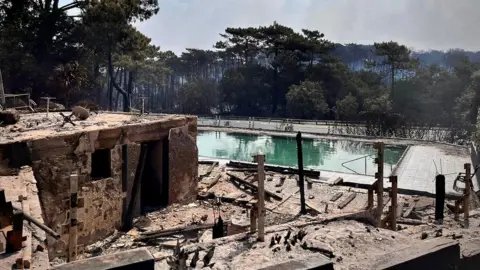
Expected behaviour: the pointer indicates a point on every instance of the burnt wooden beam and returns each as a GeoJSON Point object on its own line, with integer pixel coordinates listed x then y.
{"type": "Point", "coordinates": [274, 168]}
{"type": "Point", "coordinates": [252, 186]}
{"type": "Point", "coordinates": [169, 232]}
{"type": "Point", "coordinates": [336, 196]}
{"type": "Point", "coordinates": [347, 200]}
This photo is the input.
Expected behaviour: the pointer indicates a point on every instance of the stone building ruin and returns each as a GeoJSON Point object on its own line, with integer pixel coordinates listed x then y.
{"type": "Point", "coordinates": [104, 151]}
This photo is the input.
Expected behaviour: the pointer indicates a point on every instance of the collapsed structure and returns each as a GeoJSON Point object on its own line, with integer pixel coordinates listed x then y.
{"type": "Point", "coordinates": [86, 180]}
{"type": "Point", "coordinates": [101, 154]}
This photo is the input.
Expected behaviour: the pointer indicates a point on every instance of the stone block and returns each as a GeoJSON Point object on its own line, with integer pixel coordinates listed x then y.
{"type": "Point", "coordinates": [314, 262]}
{"type": "Point", "coordinates": [438, 254]}
{"type": "Point", "coordinates": [135, 259]}
{"type": "Point", "coordinates": [470, 254]}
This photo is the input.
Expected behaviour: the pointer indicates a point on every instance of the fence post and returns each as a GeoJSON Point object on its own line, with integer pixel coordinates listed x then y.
{"type": "Point", "coordinates": [303, 209]}
{"type": "Point", "coordinates": [379, 175]}
{"type": "Point", "coordinates": [466, 198]}
{"type": "Point", "coordinates": [439, 197]}
{"type": "Point", "coordinates": [260, 159]}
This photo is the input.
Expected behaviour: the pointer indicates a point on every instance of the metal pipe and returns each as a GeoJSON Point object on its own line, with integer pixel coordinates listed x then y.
{"type": "Point", "coordinates": [38, 224]}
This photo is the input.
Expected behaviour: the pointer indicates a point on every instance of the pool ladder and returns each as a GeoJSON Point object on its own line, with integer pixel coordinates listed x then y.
{"type": "Point", "coordinates": [364, 157]}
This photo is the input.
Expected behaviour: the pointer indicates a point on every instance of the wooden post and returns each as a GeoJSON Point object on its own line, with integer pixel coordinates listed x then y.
{"type": "Point", "coordinates": [457, 209]}
{"type": "Point", "coordinates": [466, 198]}
{"type": "Point", "coordinates": [72, 239]}
{"type": "Point", "coordinates": [260, 159]}
{"type": "Point", "coordinates": [48, 103]}
{"type": "Point", "coordinates": [379, 175]}
{"type": "Point", "coordinates": [393, 211]}
{"type": "Point", "coordinates": [439, 197]}
{"type": "Point", "coordinates": [370, 198]}
{"type": "Point", "coordinates": [124, 179]}
{"type": "Point", "coordinates": [303, 208]}
{"type": "Point", "coordinates": [253, 219]}
{"type": "Point", "coordinates": [143, 104]}
{"type": "Point", "coordinates": [14, 237]}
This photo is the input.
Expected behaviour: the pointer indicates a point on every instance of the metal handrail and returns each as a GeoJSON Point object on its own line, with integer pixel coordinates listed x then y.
{"type": "Point", "coordinates": [364, 157]}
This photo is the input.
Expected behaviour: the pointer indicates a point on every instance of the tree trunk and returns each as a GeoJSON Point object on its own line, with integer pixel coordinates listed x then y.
{"type": "Point", "coordinates": [2, 92]}
{"type": "Point", "coordinates": [120, 90]}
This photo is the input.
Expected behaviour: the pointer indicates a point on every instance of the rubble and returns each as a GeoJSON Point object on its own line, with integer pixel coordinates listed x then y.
{"type": "Point", "coordinates": [331, 233]}
{"type": "Point", "coordinates": [181, 233]}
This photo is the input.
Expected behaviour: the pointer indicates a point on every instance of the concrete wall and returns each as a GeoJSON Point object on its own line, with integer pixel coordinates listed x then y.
{"type": "Point", "coordinates": [102, 211]}
{"type": "Point", "coordinates": [183, 166]}
{"type": "Point", "coordinates": [438, 253]}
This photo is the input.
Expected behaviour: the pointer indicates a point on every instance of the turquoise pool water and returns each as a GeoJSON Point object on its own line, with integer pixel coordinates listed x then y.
{"type": "Point", "coordinates": [323, 154]}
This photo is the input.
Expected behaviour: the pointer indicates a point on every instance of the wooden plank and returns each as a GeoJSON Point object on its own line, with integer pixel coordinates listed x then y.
{"type": "Point", "coordinates": [275, 168]}
{"type": "Point", "coordinates": [334, 180]}
{"type": "Point", "coordinates": [252, 186]}
{"type": "Point", "coordinates": [286, 199]}
{"type": "Point", "coordinates": [347, 200]}
{"type": "Point", "coordinates": [313, 208]}
{"type": "Point", "coordinates": [336, 196]}
{"type": "Point", "coordinates": [212, 182]}
{"type": "Point", "coordinates": [399, 210]}
{"type": "Point", "coordinates": [172, 231]}
{"type": "Point", "coordinates": [408, 211]}
{"type": "Point", "coordinates": [210, 169]}
{"type": "Point", "coordinates": [410, 221]}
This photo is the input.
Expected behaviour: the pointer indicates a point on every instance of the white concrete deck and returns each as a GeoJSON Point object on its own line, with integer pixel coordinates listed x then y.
{"type": "Point", "coordinates": [422, 163]}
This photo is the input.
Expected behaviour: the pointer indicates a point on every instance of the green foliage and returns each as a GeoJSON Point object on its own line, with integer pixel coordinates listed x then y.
{"type": "Point", "coordinates": [347, 107]}
{"type": "Point", "coordinates": [270, 70]}
{"type": "Point", "coordinates": [306, 100]}
{"type": "Point", "coordinates": [198, 96]}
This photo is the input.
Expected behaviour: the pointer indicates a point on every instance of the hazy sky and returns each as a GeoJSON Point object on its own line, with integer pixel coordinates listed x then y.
{"type": "Point", "coordinates": [421, 24]}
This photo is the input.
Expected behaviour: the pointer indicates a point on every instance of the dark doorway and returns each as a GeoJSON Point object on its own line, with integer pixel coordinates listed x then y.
{"type": "Point", "coordinates": [18, 155]}
{"type": "Point", "coordinates": [154, 191]}
{"type": "Point", "coordinates": [101, 164]}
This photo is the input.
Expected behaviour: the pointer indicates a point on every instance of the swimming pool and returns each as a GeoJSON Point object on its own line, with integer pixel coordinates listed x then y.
{"type": "Point", "coordinates": [322, 154]}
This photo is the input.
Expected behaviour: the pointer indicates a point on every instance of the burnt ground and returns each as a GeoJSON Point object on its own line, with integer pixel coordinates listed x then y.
{"type": "Point", "coordinates": [350, 244]}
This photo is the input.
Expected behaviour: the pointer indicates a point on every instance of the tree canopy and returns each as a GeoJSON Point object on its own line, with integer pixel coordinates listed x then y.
{"type": "Point", "coordinates": [270, 70]}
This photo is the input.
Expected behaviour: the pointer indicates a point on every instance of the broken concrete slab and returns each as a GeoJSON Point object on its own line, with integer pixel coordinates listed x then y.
{"type": "Point", "coordinates": [438, 253]}
{"type": "Point", "coordinates": [470, 254]}
{"type": "Point", "coordinates": [314, 262]}
{"type": "Point", "coordinates": [133, 259]}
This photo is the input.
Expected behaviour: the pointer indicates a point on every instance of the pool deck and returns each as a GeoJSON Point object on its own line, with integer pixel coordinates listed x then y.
{"type": "Point", "coordinates": [418, 169]}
